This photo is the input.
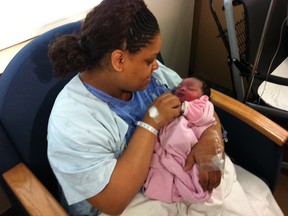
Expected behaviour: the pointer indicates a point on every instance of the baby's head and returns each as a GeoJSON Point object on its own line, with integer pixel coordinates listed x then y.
{"type": "Point", "coordinates": [192, 88]}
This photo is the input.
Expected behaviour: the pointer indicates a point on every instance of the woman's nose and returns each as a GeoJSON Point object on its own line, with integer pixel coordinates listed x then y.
{"type": "Point", "coordinates": [155, 65]}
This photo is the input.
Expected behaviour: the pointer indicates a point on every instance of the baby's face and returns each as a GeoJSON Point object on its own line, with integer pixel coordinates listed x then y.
{"type": "Point", "coordinates": [189, 89]}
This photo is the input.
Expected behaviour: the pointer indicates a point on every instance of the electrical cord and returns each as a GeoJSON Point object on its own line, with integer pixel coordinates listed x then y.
{"type": "Point", "coordinates": [276, 52]}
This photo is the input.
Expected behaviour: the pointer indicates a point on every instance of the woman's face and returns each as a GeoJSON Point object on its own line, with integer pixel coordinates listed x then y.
{"type": "Point", "coordinates": [138, 67]}
{"type": "Point", "coordinates": [189, 89]}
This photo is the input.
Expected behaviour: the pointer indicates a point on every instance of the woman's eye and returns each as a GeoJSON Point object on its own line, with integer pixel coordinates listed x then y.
{"type": "Point", "coordinates": [150, 61]}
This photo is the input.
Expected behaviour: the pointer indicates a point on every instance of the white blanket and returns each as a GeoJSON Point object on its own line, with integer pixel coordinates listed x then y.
{"type": "Point", "coordinates": [273, 94]}
{"type": "Point", "coordinates": [239, 194]}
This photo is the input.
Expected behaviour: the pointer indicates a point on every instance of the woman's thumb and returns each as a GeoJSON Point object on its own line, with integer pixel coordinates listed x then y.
{"type": "Point", "coordinates": [190, 161]}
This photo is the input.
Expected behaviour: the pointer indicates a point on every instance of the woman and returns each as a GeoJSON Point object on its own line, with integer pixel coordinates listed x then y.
{"type": "Point", "coordinates": [102, 130]}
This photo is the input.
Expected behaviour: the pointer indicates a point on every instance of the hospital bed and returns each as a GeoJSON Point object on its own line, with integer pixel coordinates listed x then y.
{"type": "Point", "coordinates": [27, 93]}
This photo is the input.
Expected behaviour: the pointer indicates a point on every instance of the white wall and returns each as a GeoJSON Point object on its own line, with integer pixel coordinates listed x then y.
{"type": "Point", "coordinates": [33, 17]}
{"type": "Point", "coordinates": [175, 18]}
{"type": "Point", "coordinates": [43, 16]}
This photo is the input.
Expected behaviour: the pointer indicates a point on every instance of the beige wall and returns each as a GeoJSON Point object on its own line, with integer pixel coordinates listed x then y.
{"type": "Point", "coordinates": [175, 18]}
{"type": "Point", "coordinates": [208, 54]}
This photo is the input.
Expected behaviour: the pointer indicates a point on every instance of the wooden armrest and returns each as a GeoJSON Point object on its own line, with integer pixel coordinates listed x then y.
{"type": "Point", "coordinates": [33, 195]}
{"type": "Point", "coordinates": [250, 116]}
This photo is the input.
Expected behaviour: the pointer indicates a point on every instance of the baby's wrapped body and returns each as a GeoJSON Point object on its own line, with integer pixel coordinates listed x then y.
{"type": "Point", "coordinates": [167, 181]}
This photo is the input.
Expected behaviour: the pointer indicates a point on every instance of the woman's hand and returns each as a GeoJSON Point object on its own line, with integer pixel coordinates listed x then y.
{"type": "Point", "coordinates": [208, 143]}
{"type": "Point", "coordinates": [163, 110]}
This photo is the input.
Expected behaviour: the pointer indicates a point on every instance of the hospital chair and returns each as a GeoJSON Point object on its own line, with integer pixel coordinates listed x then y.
{"type": "Point", "coordinates": [27, 93]}
{"type": "Point", "coordinates": [255, 36]}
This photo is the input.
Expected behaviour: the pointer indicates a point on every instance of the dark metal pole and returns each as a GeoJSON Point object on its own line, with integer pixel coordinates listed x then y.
{"type": "Point", "coordinates": [260, 48]}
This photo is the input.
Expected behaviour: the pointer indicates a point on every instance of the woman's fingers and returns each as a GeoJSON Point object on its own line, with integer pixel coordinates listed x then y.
{"type": "Point", "coordinates": [209, 179]}
{"type": "Point", "coordinates": [164, 109]}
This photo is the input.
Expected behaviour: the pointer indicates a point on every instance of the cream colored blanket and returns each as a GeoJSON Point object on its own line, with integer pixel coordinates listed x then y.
{"type": "Point", "coordinates": [239, 194]}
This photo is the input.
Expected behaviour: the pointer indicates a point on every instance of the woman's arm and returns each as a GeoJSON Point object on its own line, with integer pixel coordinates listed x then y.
{"type": "Point", "coordinates": [207, 145]}
{"type": "Point", "coordinates": [132, 167]}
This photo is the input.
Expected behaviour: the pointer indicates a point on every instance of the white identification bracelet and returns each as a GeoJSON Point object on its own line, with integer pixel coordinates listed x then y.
{"type": "Point", "coordinates": [147, 127]}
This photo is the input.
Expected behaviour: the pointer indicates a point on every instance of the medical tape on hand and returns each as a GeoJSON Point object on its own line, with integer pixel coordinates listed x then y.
{"type": "Point", "coordinates": [212, 162]}
{"type": "Point", "coordinates": [154, 114]}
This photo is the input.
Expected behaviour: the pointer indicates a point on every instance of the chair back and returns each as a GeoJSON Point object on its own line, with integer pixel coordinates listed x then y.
{"type": "Point", "coordinates": [27, 93]}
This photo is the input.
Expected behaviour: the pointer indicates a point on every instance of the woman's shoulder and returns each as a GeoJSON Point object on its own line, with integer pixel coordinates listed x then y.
{"type": "Point", "coordinates": [75, 99]}
{"type": "Point", "coordinates": [166, 76]}
{"type": "Point", "coordinates": [78, 108]}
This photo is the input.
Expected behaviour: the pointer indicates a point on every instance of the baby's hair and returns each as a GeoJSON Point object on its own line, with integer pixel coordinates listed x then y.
{"type": "Point", "coordinates": [205, 84]}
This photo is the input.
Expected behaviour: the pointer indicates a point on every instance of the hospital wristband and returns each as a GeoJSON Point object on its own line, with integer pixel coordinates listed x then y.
{"type": "Point", "coordinates": [147, 127]}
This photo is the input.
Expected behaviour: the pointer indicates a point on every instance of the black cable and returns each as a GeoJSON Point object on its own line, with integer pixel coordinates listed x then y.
{"type": "Point", "coordinates": [269, 69]}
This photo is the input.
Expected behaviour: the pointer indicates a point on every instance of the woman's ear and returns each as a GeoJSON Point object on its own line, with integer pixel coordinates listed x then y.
{"type": "Point", "coordinates": [117, 59]}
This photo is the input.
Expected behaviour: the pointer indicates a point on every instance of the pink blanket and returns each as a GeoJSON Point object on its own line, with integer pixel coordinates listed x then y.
{"type": "Point", "coordinates": [166, 180]}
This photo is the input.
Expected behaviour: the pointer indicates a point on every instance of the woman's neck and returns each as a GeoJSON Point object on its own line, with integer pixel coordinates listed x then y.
{"type": "Point", "coordinates": [103, 82]}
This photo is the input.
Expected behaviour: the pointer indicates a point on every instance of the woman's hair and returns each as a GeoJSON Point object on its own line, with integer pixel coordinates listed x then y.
{"type": "Point", "coordinates": [113, 24]}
